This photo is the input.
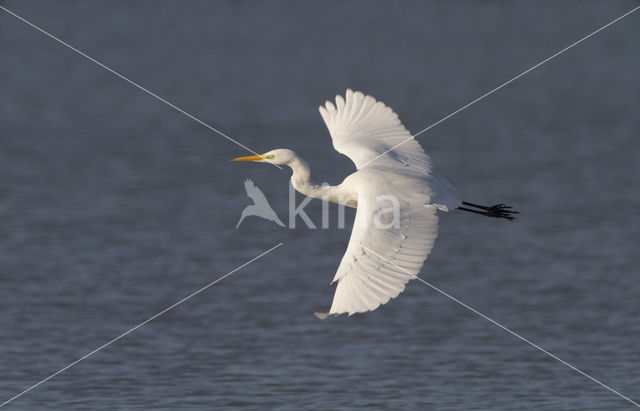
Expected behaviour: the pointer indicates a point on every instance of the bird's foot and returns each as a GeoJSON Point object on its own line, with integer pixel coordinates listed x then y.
{"type": "Point", "coordinates": [501, 211]}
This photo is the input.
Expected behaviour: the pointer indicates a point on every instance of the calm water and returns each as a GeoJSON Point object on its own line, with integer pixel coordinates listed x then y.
{"type": "Point", "coordinates": [113, 206]}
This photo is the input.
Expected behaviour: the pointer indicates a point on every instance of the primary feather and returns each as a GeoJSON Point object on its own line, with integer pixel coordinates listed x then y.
{"type": "Point", "coordinates": [364, 130]}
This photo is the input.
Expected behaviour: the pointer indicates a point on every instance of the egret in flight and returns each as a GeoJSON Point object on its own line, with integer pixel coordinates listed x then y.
{"type": "Point", "coordinates": [381, 257]}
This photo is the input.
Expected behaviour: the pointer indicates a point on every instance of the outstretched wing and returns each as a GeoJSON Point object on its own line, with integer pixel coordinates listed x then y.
{"type": "Point", "coordinates": [364, 130]}
{"type": "Point", "coordinates": [379, 261]}
{"type": "Point", "coordinates": [255, 193]}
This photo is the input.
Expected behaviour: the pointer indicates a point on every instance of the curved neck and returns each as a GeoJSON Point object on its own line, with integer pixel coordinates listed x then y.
{"type": "Point", "coordinates": [301, 180]}
{"type": "Point", "coordinates": [301, 177]}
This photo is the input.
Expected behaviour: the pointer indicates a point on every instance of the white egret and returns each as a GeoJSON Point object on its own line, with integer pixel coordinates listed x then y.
{"type": "Point", "coordinates": [380, 258]}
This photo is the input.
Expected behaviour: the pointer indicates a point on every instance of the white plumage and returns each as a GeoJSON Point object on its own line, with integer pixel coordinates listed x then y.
{"type": "Point", "coordinates": [381, 257]}
{"type": "Point", "coordinates": [364, 130]}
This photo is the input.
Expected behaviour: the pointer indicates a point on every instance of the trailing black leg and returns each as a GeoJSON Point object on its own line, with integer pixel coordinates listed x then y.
{"type": "Point", "coordinates": [497, 211]}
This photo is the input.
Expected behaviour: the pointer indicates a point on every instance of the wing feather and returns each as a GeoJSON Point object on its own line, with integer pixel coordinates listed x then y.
{"type": "Point", "coordinates": [379, 262]}
{"type": "Point", "coordinates": [365, 279]}
{"type": "Point", "coordinates": [365, 129]}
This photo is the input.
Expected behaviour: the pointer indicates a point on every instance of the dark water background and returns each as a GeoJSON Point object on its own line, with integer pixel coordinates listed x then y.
{"type": "Point", "coordinates": [114, 206]}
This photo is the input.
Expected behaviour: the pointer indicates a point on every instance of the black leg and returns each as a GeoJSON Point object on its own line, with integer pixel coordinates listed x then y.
{"type": "Point", "coordinates": [472, 211]}
{"type": "Point", "coordinates": [474, 205]}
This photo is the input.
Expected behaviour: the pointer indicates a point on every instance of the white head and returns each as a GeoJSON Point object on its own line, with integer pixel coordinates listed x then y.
{"type": "Point", "coordinates": [280, 156]}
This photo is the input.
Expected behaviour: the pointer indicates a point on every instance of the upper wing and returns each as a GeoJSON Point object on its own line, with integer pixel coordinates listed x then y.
{"type": "Point", "coordinates": [379, 261]}
{"type": "Point", "coordinates": [364, 129]}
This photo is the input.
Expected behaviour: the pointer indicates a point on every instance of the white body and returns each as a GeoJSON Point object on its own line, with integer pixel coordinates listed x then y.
{"type": "Point", "coordinates": [390, 162]}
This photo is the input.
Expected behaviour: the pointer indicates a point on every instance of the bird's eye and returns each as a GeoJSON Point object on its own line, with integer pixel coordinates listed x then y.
{"type": "Point", "coordinates": [269, 156]}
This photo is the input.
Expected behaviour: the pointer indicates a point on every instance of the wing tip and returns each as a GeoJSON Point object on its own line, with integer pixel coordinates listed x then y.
{"type": "Point", "coordinates": [330, 107]}
{"type": "Point", "coordinates": [322, 316]}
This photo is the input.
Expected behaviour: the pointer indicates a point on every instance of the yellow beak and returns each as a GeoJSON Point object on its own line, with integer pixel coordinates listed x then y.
{"type": "Point", "coordinates": [248, 158]}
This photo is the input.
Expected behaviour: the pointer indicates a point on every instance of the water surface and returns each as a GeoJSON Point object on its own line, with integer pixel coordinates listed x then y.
{"type": "Point", "coordinates": [115, 206]}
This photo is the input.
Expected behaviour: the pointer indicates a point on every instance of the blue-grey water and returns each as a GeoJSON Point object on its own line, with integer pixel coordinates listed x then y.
{"type": "Point", "coordinates": [114, 206]}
